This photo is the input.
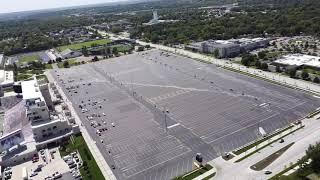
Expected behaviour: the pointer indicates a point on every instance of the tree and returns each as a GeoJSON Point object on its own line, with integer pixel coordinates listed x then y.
{"type": "Point", "coordinates": [304, 75]}
{"type": "Point", "coordinates": [264, 66]}
{"type": "Point", "coordinates": [115, 51]}
{"type": "Point", "coordinates": [147, 46]}
{"type": "Point", "coordinates": [316, 80]}
{"type": "Point", "coordinates": [59, 59]}
{"type": "Point", "coordinates": [258, 64]}
{"type": "Point", "coordinates": [306, 45]}
{"type": "Point", "coordinates": [84, 50]}
{"type": "Point", "coordinates": [95, 58]}
{"type": "Point", "coordinates": [247, 59]}
{"type": "Point", "coordinates": [66, 64]}
{"type": "Point", "coordinates": [262, 54]}
{"type": "Point", "coordinates": [292, 73]}
{"type": "Point", "coordinates": [216, 53]}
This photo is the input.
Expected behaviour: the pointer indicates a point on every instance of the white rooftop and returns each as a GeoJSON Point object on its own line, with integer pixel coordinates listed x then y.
{"type": "Point", "coordinates": [299, 60]}
{"type": "Point", "coordinates": [30, 90]}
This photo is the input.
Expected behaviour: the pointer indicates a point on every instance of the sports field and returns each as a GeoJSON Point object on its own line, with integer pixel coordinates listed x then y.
{"type": "Point", "coordinates": [161, 109]}
{"type": "Point", "coordinates": [88, 44]}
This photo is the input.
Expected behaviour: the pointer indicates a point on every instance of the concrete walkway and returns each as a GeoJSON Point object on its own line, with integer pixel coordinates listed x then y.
{"type": "Point", "coordinates": [103, 165]}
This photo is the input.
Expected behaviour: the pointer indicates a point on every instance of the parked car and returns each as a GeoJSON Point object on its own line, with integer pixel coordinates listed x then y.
{"type": "Point", "coordinates": [33, 174]}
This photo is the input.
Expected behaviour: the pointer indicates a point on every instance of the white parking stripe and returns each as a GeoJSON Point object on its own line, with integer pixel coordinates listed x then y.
{"type": "Point", "coordinates": [173, 125]}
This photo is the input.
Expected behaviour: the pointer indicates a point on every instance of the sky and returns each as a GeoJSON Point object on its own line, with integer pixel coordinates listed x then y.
{"type": "Point", "coordinates": [7, 6]}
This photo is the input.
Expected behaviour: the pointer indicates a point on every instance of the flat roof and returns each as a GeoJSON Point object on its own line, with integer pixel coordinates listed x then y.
{"type": "Point", "coordinates": [30, 90]}
{"type": "Point", "coordinates": [299, 60]}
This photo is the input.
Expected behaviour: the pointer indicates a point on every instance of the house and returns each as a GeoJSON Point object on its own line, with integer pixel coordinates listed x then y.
{"type": "Point", "coordinates": [68, 53]}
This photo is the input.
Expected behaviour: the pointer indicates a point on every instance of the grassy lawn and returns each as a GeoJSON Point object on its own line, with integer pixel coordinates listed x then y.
{"type": "Point", "coordinates": [122, 48]}
{"type": "Point", "coordinates": [72, 62]}
{"type": "Point", "coordinates": [48, 66]}
{"type": "Point", "coordinates": [209, 177]}
{"type": "Point", "coordinates": [196, 173]}
{"type": "Point", "coordinates": [42, 76]}
{"type": "Point", "coordinates": [268, 160]}
{"type": "Point", "coordinates": [312, 71]}
{"type": "Point", "coordinates": [80, 45]}
{"type": "Point", "coordinates": [280, 175]}
{"type": "Point", "coordinates": [246, 148]}
{"type": "Point", "coordinates": [25, 59]}
{"type": "Point", "coordinates": [311, 115]}
{"type": "Point", "coordinates": [257, 150]}
{"type": "Point", "coordinates": [91, 170]}
{"type": "Point", "coordinates": [23, 77]}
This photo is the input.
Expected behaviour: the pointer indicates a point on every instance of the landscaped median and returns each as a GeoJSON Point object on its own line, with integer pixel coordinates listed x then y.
{"type": "Point", "coordinates": [195, 173]}
{"type": "Point", "coordinates": [252, 145]}
{"type": "Point", "coordinates": [90, 170]}
{"type": "Point", "coordinates": [268, 160]}
{"type": "Point", "coordinates": [311, 115]}
{"type": "Point", "coordinates": [266, 145]}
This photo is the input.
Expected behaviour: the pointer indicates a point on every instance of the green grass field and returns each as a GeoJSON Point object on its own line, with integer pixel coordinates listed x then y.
{"type": "Point", "coordinates": [25, 59]}
{"type": "Point", "coordinates": [80, 45]}
{"type": "Point", "coordinates": [121, 48]}
{"type": "Point", "coordinates": [72, 62]}
{"type": "Point", "coordinates": [89, 171]}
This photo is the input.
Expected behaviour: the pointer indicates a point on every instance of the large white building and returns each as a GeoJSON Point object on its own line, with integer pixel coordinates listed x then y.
{"type": "Point", "coordinates": [299, 60]}
{"type": "Point", "coordinates": [228, 48]}
{"type": "Point", "coordinates": [46, 127]}
{"type": "Point", "coordinates": [33, 125]}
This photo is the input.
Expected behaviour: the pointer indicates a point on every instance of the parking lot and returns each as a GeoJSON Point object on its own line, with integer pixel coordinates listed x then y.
{"type": "Point", "coordinates": [52, 164]}
{"type": "Point", "coordinates": [126, 103]}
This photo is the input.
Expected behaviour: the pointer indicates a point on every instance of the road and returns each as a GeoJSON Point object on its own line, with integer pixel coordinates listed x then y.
{"type": "Point", "coordinates": [302, 139]}
{"type": "Point", "coordinates": [285, 80]}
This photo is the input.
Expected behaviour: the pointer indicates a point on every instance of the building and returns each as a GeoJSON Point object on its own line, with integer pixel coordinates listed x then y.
{"type": "Point", "coordinates": [299, 60]}
{"type": "Point", "coordinates": [154, 20]}
{"type": "Point", "coordinates": [247, 44]}
{"type": "Point", "coordinates": [224, 48]}
{"type": "Point", "coordinates": [30, 124]}
{"type": "Point", "coordinates": [228, 48]}
{"type": "Point", "coordinates": [46, 127]}
{"type": "Point", "coordinates": [68, 53]}
{"type": "Point", "coordinates": [6, 79]}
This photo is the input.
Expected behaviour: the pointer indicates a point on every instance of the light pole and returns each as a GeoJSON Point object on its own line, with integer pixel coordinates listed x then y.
{"type": "Point", "coordinates": [165, 112]}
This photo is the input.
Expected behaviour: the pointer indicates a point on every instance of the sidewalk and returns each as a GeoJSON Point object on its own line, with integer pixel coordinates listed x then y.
{"type": "Point", "coordinates": [104, 167]}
